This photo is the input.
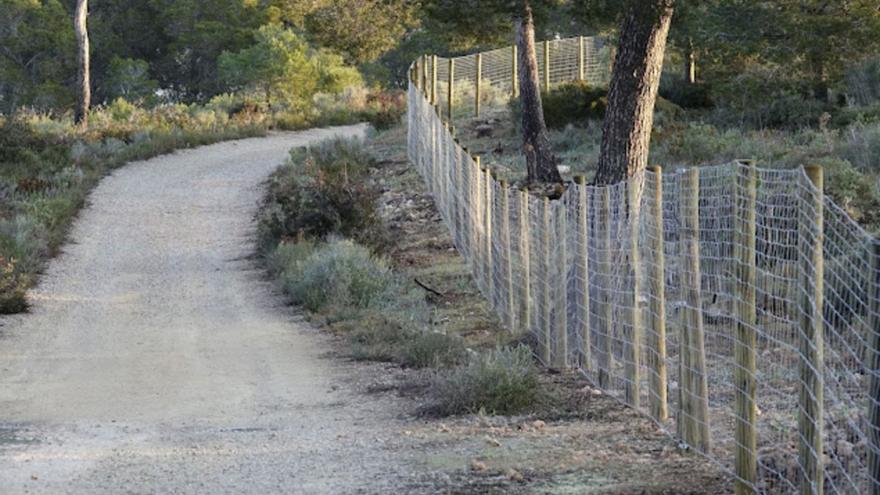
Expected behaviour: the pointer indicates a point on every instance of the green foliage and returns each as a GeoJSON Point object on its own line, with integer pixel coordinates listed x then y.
{"type": "Point", "coordinates": [573, 103]}
{"type": "Point", "coordinates": [684, 94]}
{"type": "Point", "coordinates": [277, 66]}
{"type": "Point", "coordinates": [502, 381]}
{"type": "Point", "coordinates": [321, 191]}
{"type": "Point", "coordinates": [341, 273]}
{"type": "Point", "coordinates": [427, 349]}
{"type": "Point", "coordinates": [361, 30]}
{"type": "Point", "coordinates": [37, 52]}
{"type": "Point", "coordinates": [129, 79]}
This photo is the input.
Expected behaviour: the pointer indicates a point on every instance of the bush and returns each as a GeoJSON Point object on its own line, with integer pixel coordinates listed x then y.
{"type": "Point", "coordinates": [569, 103]}
{"type": "Point", "coordinates": [425, 349]}
{"type": "Point", "coordinates": [322, 191]}
{"type": "Point", "coordinates": [502, 381]}
{"type": "Point", "coordinates": [384, 110]}
{"type": "Point", "coordinates": [685, 94]}
{"type": "Point", "coordinates": [341, 273]}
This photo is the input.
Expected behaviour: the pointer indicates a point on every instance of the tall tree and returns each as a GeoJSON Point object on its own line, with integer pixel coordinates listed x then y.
{"type": "Point", "coordinates": [540, 161]}
{"type": "Point", "coordinates": [626, 131]}
{"type": "Point", "coordinates": [81, 115]}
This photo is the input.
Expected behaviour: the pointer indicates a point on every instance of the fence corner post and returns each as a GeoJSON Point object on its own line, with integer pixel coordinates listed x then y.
{"type": "Point", "coordinates": [813, 335]}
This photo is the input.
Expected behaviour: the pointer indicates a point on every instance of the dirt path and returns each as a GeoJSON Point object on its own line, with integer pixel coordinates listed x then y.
{"type": "Point", "coordinates": [156, 360]}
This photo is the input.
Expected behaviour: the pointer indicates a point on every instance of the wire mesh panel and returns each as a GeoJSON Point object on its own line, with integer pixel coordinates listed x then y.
{"type": "Point", "coordinates": [737, 306]}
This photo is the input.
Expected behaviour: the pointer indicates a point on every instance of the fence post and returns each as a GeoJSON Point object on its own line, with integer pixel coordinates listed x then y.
{"type": "Point", "coordinates": [581, 58]}
{"type": "Point", "coordinates": [546, 326]}
{"type": "Point", "coordinates": [478, 219]}
{"type": "Point", "coordinates": [746, 319]}
{"type": "Point", "coordinates": [433, 79]}
{"type": "Point", "coordinates": [546, 65]}
{"type": "Point", "coordinates": [633, 364]}
{"type": "Point", "coordinates": [478, 81]}
{"type": "Point", "coordinates": [873, 363]}
{"type": "Point", "coordinates": [490, 258]}
{"type": "Point", "coordinates": [583, 258]}
{"type": "Point", "coordinates": [515, 74]}
{"type": "Point", "coordinates": [424, 75]}
{"type": "Point", "coordinates": [561, 355]}
{"type": "Point", "coordinates": [606, 361]}
{"type": "Point", "coordinates": [657, 356]}
{"type": "Point", "coordinates": [525, 261]}
{"type": "Point", "coordinates": [694, 417]}
{"type": "Point", "coordinates": [812, 343]}
{"type": "Point", "coordinates": [451, 89]}
{"type": "Point", "coordinates": [508, 256]}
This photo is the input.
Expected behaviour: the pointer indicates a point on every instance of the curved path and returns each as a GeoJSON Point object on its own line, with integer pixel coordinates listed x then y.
{"type": "Point", "coordinates": [156, 360]}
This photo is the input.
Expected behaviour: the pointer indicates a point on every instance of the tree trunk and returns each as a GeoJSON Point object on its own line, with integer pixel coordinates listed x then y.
{"type": "Point", "coordinates": [81, 115]}
{"type": "Point", "coordinates": [540, 161]}
{"type": "Point", "coordinates": [690, 63]}
{"type": "Point", "coordinates": [626, 131]}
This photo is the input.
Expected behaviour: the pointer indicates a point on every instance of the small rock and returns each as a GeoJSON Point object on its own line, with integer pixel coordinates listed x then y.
{"type": "Point", "coordinates": [514, 475]}
{"type": "Point", "coordinates": [538, 424]}
{"type": "Point", "coordinates": [443, 428]}
{"type": "Point", "coordinates": [479, 466]}
{"type": "Point", "coordinates": [493, 442]}
{"type": "Point", "coordinates": [844, 448]}
{"type": "Point", "coordinates": [595, 391]}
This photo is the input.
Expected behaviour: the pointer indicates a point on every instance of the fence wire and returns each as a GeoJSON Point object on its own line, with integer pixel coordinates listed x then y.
{"type": "Point", "coordinates": [737, 306]}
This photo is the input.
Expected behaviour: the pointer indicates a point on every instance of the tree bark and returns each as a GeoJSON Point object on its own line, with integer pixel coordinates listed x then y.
{"type": "Point", "coordinates": [626, 131]}
{"type": "Point", "coordinates": [81, 115]}
{"type": "Point", "coordinates": [540, 161]}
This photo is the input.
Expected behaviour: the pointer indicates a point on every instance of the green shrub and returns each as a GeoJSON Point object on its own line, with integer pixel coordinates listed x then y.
{"type": "Point", "coordinates": [569, 103]}
{"type": "Point", "coordinates": [502, 381]}
{"type": "Point", "coordinates": [322, 191]}
{"type": "Point", "coordinates": [685, 94]}
{"type": "Point", "coordinates": [425, 349]}
{"type": "Point", "coordinates": [384, 110]}
{"type": "Point", "coordinates": [341, 273]}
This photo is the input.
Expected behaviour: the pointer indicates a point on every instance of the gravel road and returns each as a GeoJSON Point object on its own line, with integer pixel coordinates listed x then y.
{"type": "Point", "coordinates": [157, 360]}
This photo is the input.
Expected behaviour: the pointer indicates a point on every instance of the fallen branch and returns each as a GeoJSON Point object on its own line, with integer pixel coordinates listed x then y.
{"type": "Point", "coordinates": [432, 291]}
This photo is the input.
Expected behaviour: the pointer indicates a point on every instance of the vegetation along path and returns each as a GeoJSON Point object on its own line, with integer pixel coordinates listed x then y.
{"type": "Point", "coordinates": [156, 359]}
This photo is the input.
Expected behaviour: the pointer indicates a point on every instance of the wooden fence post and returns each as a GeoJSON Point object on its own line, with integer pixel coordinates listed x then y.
{"type": "Point", "coordinates": [606, 361]}
{"type": "Point", "coordinates": [546, 65]}
{"type": "Point", "coordinates": [561, 323]}
{"type": "Point", "coordinates": [490, 256]}
{"type": "Point", "coordinates": [745, 254]}
{"type": "Point", "coordinates": [813, 334]}
{"type": "Point", "coordinates": [581, 58]}
{"type": "Point", "coordinates": [424, 75]}
{"type": "Point", "coordinates": [433, 79]}
{"type": "Point", "coordinates": [633, 362]}
{"type": "Point", "coordinates": [477, 205]}
{"type": "Point", "coordinates": [525, 262]}
{"type": "Point", "coordinates": [873, 364]}
{"type": "Point", "coordinates": [450, 97]}
{"type": "Point", "coordinates": [514, 74]}
{"type": "Point", "coordinates": [546, 325]}
{"type": "Point", "coordinates": [657, 356]}
{"type": "Point", "coordinates": [509, 301]}
{"type": "Point", "coordinates": [478, 82]}
{"type": "Point", "coordinates": [694, 416]}
{"type": "Point", "coordinates": [583, 275]}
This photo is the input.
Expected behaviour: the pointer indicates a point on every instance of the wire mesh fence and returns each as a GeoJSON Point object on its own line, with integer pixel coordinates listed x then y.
{"type": "Point", "coordinates": [737, 306]}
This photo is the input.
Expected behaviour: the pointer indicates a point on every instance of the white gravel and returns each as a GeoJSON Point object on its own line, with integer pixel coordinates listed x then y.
{"type": "Point", "coordinates": [157, 360]}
